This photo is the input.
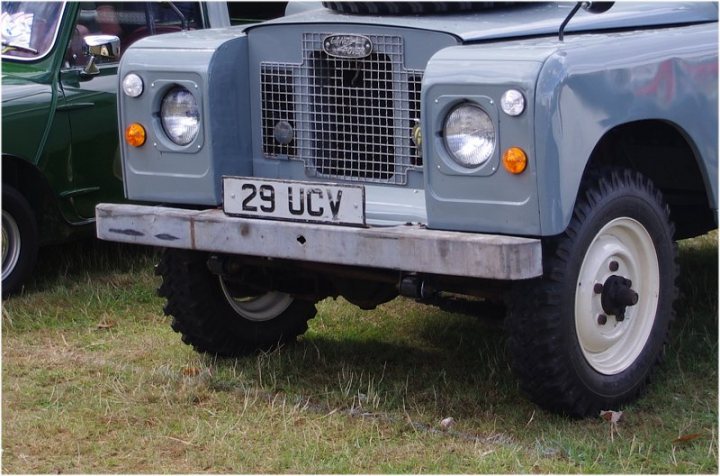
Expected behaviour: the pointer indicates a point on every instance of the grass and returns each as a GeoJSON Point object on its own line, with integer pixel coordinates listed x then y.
{"type": "Point", "coordinates": [95, 381]}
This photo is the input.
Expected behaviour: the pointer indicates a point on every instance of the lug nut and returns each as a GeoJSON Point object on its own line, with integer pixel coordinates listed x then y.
{"type": "Point", "coordinates": [598, 288]}
{"type": "Point", "coordinates": [602, 319]}
{"type": "Point", "coordinates": [614, 266]}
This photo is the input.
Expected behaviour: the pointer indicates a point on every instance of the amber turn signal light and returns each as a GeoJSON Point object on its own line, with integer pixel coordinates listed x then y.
{"type": "Point", "coordinates": [515, 160]}
{"type": "Point", "coordinates": [135, 134]}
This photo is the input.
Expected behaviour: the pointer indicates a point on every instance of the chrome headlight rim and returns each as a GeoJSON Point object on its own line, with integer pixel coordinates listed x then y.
{"type": "Point", "coordinates": [468, 150]}
{"type": "Point", "coordinates": [180, 115]}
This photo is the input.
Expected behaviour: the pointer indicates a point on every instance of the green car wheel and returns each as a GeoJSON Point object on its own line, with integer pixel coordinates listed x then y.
{"type": "Point", "coordinates": [19, 240]}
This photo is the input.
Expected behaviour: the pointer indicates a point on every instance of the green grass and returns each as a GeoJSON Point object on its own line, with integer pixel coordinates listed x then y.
{"type": "Point", "coordinates": [95, 381]}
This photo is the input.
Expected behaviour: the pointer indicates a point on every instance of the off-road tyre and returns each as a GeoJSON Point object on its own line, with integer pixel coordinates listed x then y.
{"type": "Point", "coordinates": [20, 240]}
{"type": "Point", "coordinates": [207, 321]}
{"type": "Point", "coordinates": [409, 8]}
{"type": "Point", "coordinates": [556, 335]}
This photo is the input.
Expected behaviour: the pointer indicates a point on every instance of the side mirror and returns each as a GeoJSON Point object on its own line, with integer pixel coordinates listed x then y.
{"type": "Point", "coordinates": [597, 7]}
{"type": "Point", "coordinates": [100, 46]}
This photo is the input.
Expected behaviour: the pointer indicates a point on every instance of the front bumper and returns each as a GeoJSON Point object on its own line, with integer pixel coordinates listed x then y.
{"type": "Point", "coordinates": [409, 248]}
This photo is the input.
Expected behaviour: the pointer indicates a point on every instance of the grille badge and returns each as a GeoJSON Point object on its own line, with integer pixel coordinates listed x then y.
{"type": "Point", "coordinates": [348, 46]}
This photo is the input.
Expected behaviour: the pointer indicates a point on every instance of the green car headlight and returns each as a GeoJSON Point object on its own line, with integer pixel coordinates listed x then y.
{"type": "Point", "coordinates": [180, 115]}
{"type": "Point", "coordinates": [469, 135]}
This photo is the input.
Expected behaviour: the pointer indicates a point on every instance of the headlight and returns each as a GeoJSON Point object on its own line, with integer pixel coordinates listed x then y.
{"type": "Point", "coordinates": [180, 116]}
{"type": "Point", "coordinates": [469, 135]}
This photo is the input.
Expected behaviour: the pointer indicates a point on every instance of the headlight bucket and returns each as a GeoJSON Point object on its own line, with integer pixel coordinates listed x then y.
{"type": "Point", "coordinates": [469, 135]}
{"type": "Point", "coordinates": [180, 115]}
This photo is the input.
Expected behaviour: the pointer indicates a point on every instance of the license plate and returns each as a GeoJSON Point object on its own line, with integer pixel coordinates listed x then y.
{"type": "Point", "coordinates": [293, 200]}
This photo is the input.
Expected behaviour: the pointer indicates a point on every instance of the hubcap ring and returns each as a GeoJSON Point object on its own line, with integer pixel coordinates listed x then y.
{"type": "Point", "coordinates": [11, 244]}
{"type": "Point", "coordinates": [261, 308]}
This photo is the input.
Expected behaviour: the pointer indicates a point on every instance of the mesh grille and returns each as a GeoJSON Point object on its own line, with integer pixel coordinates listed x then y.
{"type": "Point", "coordinates": [277, 106]}
{"type": "Point", "coordinates": [352, 118]}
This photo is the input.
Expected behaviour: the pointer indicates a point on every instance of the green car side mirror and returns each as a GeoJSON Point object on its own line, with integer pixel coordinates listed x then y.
{"type": "Point", "coordinates": [103, 46]}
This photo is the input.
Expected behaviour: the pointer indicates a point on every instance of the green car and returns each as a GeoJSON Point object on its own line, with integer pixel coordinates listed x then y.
{"type": "Point", "coordinates": [60, 152]}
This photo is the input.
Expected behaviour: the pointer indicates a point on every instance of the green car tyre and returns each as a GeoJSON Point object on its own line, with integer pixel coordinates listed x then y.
{"type": "Point", "coordinates": [19, 240]}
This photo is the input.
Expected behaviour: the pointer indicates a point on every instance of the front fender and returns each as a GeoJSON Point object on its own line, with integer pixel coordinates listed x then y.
{"type": "Point", "coordinates": [594, 83]}
{"type": "Point", "coordinates": [212, 64]}
{"type": "Point", "coordinates": [26, 113]}
{"type": "Point", "coordinates": [485, 199]}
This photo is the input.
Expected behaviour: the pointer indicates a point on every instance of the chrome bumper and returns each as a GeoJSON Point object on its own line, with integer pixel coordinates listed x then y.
{"type": "Point", "coordinates": [410, 248]}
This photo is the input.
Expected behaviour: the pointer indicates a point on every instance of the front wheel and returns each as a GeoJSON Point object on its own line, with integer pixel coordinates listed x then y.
{"type": "Point", "coordinates": [217, 317]}
{"type": "Point", "coordinates": [586, 336]}
{"type": "Point", "coordinates": [19, 240]}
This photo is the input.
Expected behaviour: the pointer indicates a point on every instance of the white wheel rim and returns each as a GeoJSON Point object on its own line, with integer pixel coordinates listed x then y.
{"type": "Point", "coordinates": [258, 308]}
{"type": "Point", "coordinates": [10, 244]}
{"type": "Point", "coordinates": [612, 347]}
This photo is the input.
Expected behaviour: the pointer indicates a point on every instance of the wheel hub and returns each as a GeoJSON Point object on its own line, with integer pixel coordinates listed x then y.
{"type": "Point", "coordinates": [256, 308]}
{"type": "Point", "coordinates": [617, 295]}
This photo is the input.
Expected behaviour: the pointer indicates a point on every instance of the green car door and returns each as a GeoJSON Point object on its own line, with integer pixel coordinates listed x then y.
{"type": "Point", "coordinates": [60, 153]}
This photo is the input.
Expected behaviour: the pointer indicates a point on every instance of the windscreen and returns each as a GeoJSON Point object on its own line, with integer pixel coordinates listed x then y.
{"type": "Point", "coordinates": [29, 29]}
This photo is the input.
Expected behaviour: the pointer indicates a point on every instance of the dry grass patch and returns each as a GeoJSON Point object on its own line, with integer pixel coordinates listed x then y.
{"type": "Point", "coordinates": [94, 381]}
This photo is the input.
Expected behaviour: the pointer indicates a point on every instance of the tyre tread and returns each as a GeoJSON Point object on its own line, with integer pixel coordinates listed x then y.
{"type": "Point", "coordinates": [201, 315]}
{"type": "Point", "coordinates": [533, 322]}
{"type": "Point", "coordinates": [410, 8]}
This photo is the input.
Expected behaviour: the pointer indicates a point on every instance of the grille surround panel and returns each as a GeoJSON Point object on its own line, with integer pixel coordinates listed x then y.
{"type": "Point", "coordinates": [352, 119]}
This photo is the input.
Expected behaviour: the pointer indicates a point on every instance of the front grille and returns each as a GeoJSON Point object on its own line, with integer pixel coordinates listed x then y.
{"type": "Point", "coordinates": [351, 118]}
{"type": "Point", "coordinates": [277, 106]}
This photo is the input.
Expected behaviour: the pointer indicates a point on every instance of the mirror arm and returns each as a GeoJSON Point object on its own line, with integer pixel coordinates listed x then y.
{"type": "Point", "coordinates": [592, 7]}
{"type": "Point", "coordinates": [90, 68]}
{"type": "Point", "coordinates": [561, 33]}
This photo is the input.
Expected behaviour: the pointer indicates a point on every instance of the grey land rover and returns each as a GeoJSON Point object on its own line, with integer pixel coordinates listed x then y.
{"type": "Point", "coordinates": [542, 155]}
